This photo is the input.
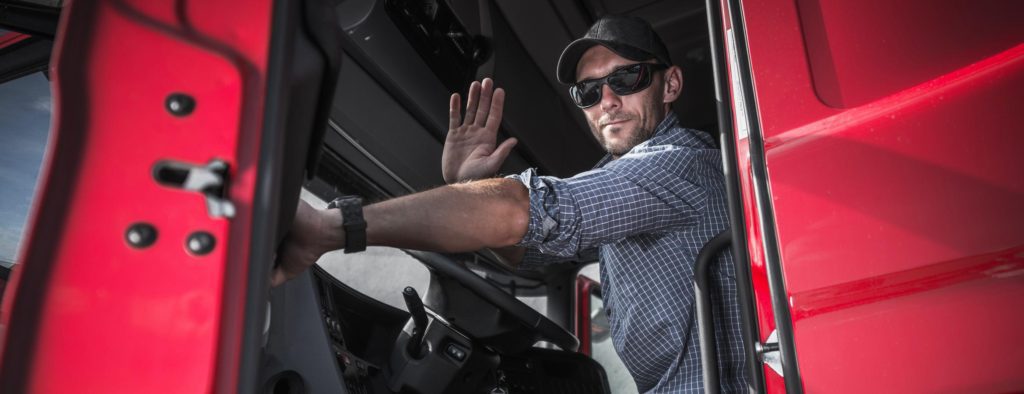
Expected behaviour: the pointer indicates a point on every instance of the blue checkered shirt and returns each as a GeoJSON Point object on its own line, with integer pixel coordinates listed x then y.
{"type": "Point", "coordinates": [647, 213]}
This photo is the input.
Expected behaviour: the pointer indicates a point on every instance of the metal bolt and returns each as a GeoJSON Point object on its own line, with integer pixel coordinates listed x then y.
{"type": "Point", "coordinates": [180, 104]}
{"type": "Point", "coordinates": [140, 235]}
{"type": "Point", "coordinates": [200, 243]}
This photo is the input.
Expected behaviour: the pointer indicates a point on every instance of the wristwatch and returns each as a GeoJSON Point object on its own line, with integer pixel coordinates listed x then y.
{"type": "Point", "coordinates": [352, 221]}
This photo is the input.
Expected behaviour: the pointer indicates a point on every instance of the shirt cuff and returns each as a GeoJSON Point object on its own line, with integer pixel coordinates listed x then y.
{"type": "Point", "coordinates": [540, 223]}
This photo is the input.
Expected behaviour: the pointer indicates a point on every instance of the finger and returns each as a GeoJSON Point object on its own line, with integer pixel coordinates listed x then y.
{"type": "Point", "coordinates": [503, 150]}
{"type": "Point", "coordinates": [453, 111]}
{"type": "Point", "coordinates": [471, 102]}
{"type": "Point", "coordinates": [497, 109]}
{"type": "Point", "coordinates": [485, 102]}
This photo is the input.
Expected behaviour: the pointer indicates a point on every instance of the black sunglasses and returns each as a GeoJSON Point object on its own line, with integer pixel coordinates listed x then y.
{"type": "Point", "coordinates": [623, 81]}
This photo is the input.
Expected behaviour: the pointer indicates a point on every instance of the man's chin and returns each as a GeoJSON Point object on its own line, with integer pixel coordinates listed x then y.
{"type": "Point", "coordinates": [615, 141]}
{"type": "Point", "coordinates": [617, 148]}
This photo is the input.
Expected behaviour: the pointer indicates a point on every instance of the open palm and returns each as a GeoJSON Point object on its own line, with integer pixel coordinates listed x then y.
{"type": "Point", "coordinates": [471, 151]}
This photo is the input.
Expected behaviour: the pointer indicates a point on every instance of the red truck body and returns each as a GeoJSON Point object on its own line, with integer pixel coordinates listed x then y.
{"type": "Point", "coordinates": [889, 136]}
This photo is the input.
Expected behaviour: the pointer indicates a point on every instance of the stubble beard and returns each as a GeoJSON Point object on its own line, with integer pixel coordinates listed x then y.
{"type": "Point", "coordinates": [639, 135]}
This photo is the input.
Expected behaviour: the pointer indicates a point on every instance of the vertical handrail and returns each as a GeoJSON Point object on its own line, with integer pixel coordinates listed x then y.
{"type": "Point", "coordinates": [730, 163]}
{"type": "Point", "coordinates": [705, 322]}
{"type": "Point", "coordinates": [762, 208]}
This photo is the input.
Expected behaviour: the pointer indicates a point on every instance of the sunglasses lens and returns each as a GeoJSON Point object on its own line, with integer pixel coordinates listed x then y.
{"type": "Point", "coordinates": [629, 80]}
{"type": "Point", "coordinates": [586, 94]}
{"type": "Point", "coordinates": [624, 81]}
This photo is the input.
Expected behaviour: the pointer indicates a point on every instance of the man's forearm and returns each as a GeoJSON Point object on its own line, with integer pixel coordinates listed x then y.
{"type": "Point", "coordinates": [457, 218]}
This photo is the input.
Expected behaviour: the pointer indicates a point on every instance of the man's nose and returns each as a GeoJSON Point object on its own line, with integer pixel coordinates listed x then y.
{"type": "Point", "coordinates": [609, 100]}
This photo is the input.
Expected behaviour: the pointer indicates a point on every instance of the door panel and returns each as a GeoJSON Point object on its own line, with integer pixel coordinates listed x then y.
{"type": "Point", "coordinates": [136, 83]}
{"type": "Point", "coordinates": [890, 137]}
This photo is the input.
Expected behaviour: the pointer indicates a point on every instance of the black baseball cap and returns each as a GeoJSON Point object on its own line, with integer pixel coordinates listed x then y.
{"type": "Point", "coordinates": [628, 36]}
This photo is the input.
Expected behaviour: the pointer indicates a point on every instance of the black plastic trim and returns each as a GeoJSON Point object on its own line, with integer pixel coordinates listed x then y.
{"type": "Point", "coordinates": [265, 205]}
{"type": "Point", "coordinates": [380, 76]}
{"type": "Point", "coordinates": [727, 140]}
{"type": "Point", "coordinates": [294, 24]}
{"type": "Point", "coordinates": [321, 25]}
{"type": "Point", "coordinates": [765, 212]}
{"type": "Point", "coordinates": [23, 58]}
{"type": "Point", "coordinates": [36, 20]}
{"type": "Point", "coordinates": [705, 319]}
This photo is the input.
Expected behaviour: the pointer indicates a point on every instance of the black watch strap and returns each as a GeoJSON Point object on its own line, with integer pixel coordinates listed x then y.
{"type": "Point", "coordinates": [352, 221]}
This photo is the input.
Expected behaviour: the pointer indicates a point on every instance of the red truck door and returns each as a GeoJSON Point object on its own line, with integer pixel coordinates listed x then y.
{"type": "Point", "coordinates": [877, 149]}
{"type": "Point", "coordinates": [179, 130]}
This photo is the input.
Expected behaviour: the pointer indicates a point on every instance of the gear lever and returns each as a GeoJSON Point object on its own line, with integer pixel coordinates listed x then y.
{"type": "Point", "coordinates": [419, 321]}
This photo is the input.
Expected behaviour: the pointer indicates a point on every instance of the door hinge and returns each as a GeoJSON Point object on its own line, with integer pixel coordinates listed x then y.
{"type": "Point", "coordinates": [769, 352]}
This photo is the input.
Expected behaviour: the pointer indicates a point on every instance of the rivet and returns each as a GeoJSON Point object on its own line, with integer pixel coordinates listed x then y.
{"type": "Point", "coordinates": [180, 104]}
{"type": "Point", "coordinates": [200, 243]}
{"type": "Point", "coordinates": [140, 235]}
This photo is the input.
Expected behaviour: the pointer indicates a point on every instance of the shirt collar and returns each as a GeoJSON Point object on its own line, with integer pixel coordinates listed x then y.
{"type": "Point", "coordinates": [670, 121]}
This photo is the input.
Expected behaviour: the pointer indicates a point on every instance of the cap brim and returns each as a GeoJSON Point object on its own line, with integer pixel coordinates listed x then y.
{"type": "Point", "coordinates": [566, 71]}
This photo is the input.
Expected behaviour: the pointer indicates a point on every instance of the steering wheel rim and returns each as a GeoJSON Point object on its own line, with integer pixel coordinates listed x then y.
{"type": "Point", "coordinates": [541, 325]}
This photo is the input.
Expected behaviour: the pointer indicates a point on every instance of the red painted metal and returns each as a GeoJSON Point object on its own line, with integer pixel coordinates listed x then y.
{"type": "Point", "coordinates": [11, 38]}
{"type": "Point", "coordinates": [755, 243]}
{"type": "Point", "coordinates": [891, 135]}
{"type": "Point", "coordinates": [581, 319]}
{"type": "Point", "coordinates": [114, 318]}
{"type": "Point", "coordinates": [755, 250]}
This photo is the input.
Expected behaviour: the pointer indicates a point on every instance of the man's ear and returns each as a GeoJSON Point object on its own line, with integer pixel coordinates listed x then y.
{"type": "Point", "coordinates": [673, 84]}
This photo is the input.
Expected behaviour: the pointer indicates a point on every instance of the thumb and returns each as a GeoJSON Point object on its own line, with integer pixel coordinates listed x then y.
{"type": "Point", "coordinates": [504, 149]}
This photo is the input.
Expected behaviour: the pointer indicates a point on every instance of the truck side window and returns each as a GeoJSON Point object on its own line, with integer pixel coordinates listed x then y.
{"type": "Point", "coordinates": [24, 131]}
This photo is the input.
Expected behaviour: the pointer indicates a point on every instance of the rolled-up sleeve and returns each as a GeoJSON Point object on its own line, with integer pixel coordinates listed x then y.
{"type": "Point", "coordinates": [645, 192]}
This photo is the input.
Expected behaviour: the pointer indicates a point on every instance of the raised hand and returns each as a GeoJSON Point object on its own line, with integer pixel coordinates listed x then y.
{"type": "Point", "coordinates": [470, 150]}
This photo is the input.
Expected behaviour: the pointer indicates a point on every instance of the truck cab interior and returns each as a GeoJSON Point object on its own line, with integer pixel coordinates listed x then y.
{"type": "Point", "coordinates": [401, 61]}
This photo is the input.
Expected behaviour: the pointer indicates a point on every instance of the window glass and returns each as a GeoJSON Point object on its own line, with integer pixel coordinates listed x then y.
{"type": "Point", "coordinates": [24, 130]}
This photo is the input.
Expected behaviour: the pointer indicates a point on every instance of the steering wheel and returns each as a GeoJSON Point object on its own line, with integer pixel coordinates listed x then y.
{"type": "Point", "coordinates": [539, 325]}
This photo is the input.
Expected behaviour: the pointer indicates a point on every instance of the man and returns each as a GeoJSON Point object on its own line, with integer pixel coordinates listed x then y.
{"type": "Point", "coordinates": [647, 207]}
